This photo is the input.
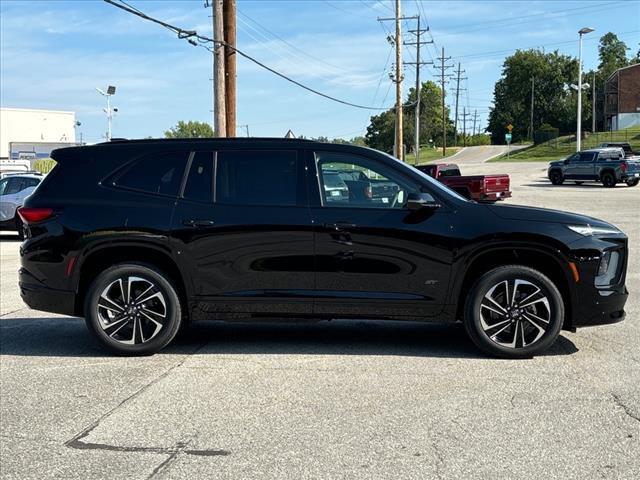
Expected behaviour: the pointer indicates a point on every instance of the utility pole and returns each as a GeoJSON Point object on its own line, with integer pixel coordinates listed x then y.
{"type": "Point", "coordinates": [464, 125]}
{"type": "Point", "coordinates": [418, 32]}
{"type": "Point", "coordinates": [398, 147]}
{"type": "Point", "coordinates": [533, 89]}
{"type": "Point", "coordinates": [219, 110]}
{"type": "Point", "coordinates": [443, 68]}
{"type": "Point", "coordinates": [399, 78]}
{"type": "Point", "coordinates": [229, 15]}
{"type": "Point", "coordinates": [593, 104]}
{"type": "Point", "coordinates": [455, 122]}
{"type": "Point", "coordinates": [475, 118]}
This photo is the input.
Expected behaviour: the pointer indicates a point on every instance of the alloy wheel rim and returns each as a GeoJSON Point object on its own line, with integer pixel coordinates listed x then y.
{"type": "Point", "coordinates": [132, 310]}
{"type": "Point", "coordinates": [515, 313]}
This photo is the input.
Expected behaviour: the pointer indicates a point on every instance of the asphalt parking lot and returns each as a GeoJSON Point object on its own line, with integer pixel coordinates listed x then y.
{"type": "Point", "coordinates": [327, 400]}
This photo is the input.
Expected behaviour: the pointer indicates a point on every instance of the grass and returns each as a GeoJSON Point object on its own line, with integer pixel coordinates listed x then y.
{"type": "Point", "coordinates": [562, 147]}
{"type": "Point", "coordinates": [428, 155]}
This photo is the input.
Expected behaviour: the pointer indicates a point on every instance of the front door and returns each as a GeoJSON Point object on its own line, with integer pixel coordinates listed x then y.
{"type": "Point", "coordinates": [374, 257]}
{"type": "Point", "coordinates": [245, 236]}
{"type": "Point", "coordinates": [581, 166]}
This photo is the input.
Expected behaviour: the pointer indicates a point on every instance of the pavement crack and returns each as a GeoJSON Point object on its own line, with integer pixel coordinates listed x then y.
{"type": "Point", "coordinates": [77, 441]}
{"type": "Point", "coordinates": [439, 459]}
{"type": "Point", "coordinates": [620, 403]}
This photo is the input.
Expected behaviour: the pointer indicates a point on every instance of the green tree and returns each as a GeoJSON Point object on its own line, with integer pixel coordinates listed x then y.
{"type": "Point", "coordinates": [554, 102]}
{"type": "Point", "coordinates": [381, 130]}
{"type": "Point", "coordinates": [190, 129]}
{"type": "Point", "coordinates": [612, 53]}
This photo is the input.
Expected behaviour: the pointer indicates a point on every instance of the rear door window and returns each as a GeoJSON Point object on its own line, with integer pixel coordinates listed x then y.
{"type": "Point", "coordinates": [266, 177]}
{"type": "Point", "coordinates": [155, 173]}
{"type": "Point", "coordinates": [13, 186]}
{"type": "Point", "coordinates": [199, 186]}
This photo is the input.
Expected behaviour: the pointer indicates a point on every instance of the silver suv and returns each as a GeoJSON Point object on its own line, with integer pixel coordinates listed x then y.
{"type": "Point", "coordinates": [14, 188]}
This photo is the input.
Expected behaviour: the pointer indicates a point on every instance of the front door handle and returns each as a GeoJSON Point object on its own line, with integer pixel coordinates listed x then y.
{"type": "Point", "coordinates": [197, 223]}
{"type": "Point", "coordinates": [340, 225]}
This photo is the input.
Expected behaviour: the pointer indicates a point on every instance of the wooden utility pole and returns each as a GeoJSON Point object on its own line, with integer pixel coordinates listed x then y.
{"type": "Point", "coordinates": [465, 114]}
{"type": "Point", "coordinates": [533, 89]}
{"type": "Point", "coordinates": [475, 119]}
{"type": "Point", "coordinates": [219, 98]}
{"type": "Point", "coordinates": [229, 15]}
{"type": "Point", "coordinates": [418, 32]}
{"type": "Point", "coordinates": [443, 67]}
{"type": "Point", "coordinates": [593, 105]}
{"type": "Point", "coordinates": [455, 118]}
{"type": "Point", "coordinates": [399, 120]}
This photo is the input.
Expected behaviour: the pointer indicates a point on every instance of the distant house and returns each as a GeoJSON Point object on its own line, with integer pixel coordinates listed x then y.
{"type": "Point", "coordinates": [622, 98]}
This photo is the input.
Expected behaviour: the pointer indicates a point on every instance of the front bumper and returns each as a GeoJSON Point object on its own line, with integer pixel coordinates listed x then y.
{"type": "Point", "coordinates": [603, 308]}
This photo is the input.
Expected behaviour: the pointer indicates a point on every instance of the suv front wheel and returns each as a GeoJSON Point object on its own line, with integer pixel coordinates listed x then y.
{"type": "Point", "coordinates": [133, 309]}
{"type": "Point", "coordinates": [556, 177]}
{"type": "Point", "coordinates": [514, 312]}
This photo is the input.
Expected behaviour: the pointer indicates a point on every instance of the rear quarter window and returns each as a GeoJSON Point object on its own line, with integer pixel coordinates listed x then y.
{"type": "Point", "coordinates": [158, 173]}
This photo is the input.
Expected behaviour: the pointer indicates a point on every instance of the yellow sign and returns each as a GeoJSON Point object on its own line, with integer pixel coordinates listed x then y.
{"type": "Point", "coordinates": [509, 127]}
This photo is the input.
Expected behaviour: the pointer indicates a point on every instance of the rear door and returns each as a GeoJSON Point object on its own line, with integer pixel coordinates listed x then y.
{"type": "Point", "coordinates": [373, 256]}
{"type": "Point", "coordinates": [243, 228]}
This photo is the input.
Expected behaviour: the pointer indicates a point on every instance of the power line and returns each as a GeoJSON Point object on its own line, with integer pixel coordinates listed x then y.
{"type": "Point", "coordinates": [189, 35]}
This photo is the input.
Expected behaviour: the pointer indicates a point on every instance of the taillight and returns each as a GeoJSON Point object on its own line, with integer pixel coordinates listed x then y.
{"type": "Point", "coordinates": [624, 166]}
{"type": "Point", "coordinates": [368, 192]}
{"type": "Point", "coordinates": [34, 215]}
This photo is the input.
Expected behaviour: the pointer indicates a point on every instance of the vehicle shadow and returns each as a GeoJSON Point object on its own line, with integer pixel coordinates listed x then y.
{"type": "Point", "coordinates": [570, 184]}
{"type": "Point", "coordinates": [68, 337]}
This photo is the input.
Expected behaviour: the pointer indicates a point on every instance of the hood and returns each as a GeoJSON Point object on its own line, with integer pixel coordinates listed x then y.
{"type": "Point", "coordinates": [534, 214]}
{"type": "Point", "coordinates": [556, 163]}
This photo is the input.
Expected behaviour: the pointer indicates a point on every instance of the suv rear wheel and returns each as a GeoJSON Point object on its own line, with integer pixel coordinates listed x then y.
{"type": "Point", "coordinates": [556, 177]}
{"type": "Point", "coordinates": [133, 309]}
{"type": "Point", "coordinates": [608, 180]}
{"type": "Point", "coordinates": [514, 312]}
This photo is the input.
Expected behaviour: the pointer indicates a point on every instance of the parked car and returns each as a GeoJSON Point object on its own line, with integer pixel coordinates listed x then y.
{"type": "Point", "coordinates": [139, 237]}
{"type": "Point", "coordinates": [629, 154]}
{"type": "Point", "coordinates": [481, 188]}
{"type": "Point", "coordinates": [14, 188]}
{"type": "Point", "coordinates": [335, 188]}
{"type": "Point", "coordinates": [605, 165]}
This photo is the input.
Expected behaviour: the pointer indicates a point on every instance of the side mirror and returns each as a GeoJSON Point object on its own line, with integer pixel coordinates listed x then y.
{"type": "Point", "coordinates": [418, 201]}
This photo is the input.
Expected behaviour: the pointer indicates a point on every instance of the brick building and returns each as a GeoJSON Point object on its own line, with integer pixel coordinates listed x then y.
{"type": "Point", "coordinates": [622, 98]}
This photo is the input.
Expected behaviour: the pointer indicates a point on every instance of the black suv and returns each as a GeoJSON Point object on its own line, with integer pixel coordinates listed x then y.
{"type": "Point", "coordinates": [139, 237]}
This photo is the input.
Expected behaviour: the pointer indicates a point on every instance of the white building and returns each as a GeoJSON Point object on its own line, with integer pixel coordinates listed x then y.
{"type": "Point", "coordinates": [38, 128]}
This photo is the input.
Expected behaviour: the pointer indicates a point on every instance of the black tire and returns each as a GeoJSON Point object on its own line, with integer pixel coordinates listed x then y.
{"type": "Point", "coordinates": [608, 180]}
{"type": "Point", "coordinates": [19, 226]}
{"type": "Point", "coordinates": [633, 182]}
{"type": "Point", "coordinates": [579, 183]}
{"type": "Point", "coordinates": [106, 295]}
{"type": "Point", "coordinates": [517, 323]}
{"type": "Point", "coordinates": [556, 177]}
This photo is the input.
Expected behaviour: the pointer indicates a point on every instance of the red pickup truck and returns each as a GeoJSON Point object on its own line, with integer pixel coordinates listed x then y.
{"type": "Point", "coordinates": [481, 188]}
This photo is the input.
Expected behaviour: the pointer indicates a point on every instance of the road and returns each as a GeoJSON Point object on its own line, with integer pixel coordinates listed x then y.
{"type": "Point", "coordinates": [332, 400]}
{"type": "Point", "coordinates": [481, 153]}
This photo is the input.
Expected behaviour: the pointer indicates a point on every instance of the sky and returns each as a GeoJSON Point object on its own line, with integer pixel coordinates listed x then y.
{"type": "Point", "coordinates": [54, 53]}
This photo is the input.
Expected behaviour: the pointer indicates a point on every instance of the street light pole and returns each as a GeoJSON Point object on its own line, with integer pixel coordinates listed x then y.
{"type": "Point", "coordinates": [581, 32]}
{"type": "Point", "coordinates": [111, 90]}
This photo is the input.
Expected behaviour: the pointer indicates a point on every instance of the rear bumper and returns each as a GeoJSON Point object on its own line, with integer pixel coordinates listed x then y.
{"type": "Point", "coordinates": [493, 196]}
{"type": "Point", "coordinates": [40, 297]}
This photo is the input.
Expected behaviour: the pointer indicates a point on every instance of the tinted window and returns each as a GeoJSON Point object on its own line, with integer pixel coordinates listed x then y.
{"type": "Point", "coordinates": [449, 172]}
{"type": "Point", "coordinates": [380, 186]}
{"type": "Point", "coordinates": [159, 173]}
{"type": "Point", "coordinates": [13, 186]}
{"type": "Point", "coordinates": [199, 186]}
{"type": "Point", "coordinates": [3, 185]}
{"type": "Point", "coordinates": [586, 157]}
{"type": "Point", "coordinates": [257, 178]}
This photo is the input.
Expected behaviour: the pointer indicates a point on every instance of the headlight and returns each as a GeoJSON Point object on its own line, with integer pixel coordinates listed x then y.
{"type": "Point", "coordinates": [588, 230]}
{"type": "Point", "coordinates": [608, 268]}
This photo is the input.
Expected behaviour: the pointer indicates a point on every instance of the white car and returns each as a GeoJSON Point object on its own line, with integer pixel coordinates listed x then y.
{"type": "Point", "coordinates": [14, 188]}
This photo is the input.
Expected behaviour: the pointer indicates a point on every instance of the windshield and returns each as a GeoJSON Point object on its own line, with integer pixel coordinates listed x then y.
{"type": "Point", "coordinates": [440, 187]}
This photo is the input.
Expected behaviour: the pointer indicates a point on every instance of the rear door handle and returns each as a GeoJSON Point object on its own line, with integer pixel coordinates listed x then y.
{"type": "Point", "coordinates": [197, 223]}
